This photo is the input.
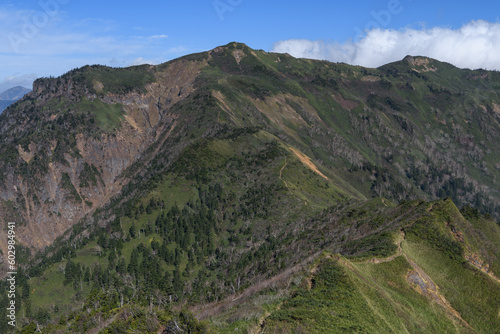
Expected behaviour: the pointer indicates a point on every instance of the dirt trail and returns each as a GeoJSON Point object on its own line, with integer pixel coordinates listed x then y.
{"type": "Point", "coordinates": [312, 272]}
{"type": "Point", "coordinates": [286, 184]}
{"type": "Point", "coordinates": [400, 238]}
{"type": "Point", "coordinates": [368, 280]}
{"type": "Point", "coordinates": [281, 170]}
{"type": "Point", "coordinates": [262, 321]}
{"type": "Point", "coordinates": [416, 277]}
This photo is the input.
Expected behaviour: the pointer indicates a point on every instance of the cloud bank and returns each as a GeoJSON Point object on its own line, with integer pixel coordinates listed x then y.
{"type": "Point", "coordinates": [474, 45]}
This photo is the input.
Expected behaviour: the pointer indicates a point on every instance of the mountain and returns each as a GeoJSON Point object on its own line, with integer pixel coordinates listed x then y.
{"type": "Point", "coordinates": [4, 104]}
{"type": "Point", "coordinates": [262, 192]}
{"type": "Point", "coordinates": [11, 95]}
{"type": "Point", "coordinates": [14, 94]}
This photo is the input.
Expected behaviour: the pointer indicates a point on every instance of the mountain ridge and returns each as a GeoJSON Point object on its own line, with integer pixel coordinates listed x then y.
{"type": "Point", "coordinates": [302, 112]}
{"type": "Point", "coordinates": [222, 171]}
{"type": "Point", "coordinates": [14, 93]}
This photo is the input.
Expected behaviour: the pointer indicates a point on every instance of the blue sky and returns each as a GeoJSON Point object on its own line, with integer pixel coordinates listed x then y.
{"type": "Point", "coordinates": [50, 37]}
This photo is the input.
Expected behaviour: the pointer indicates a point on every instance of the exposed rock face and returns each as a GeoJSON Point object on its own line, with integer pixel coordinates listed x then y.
{"type": "Point", "coordinates": [52, 208]}
{"type": "Point", "coordinates": [44, 202]}
{"type": "Point", "coordinates": [409, 60]}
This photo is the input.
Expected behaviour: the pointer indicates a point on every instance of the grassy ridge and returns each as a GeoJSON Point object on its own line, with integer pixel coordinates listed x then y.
{"type": "Point", "coordinates": [360, 298]}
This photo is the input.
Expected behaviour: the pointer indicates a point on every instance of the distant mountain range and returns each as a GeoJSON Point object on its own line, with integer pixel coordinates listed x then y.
{"type": "Point", "coordinates": [12, 95]}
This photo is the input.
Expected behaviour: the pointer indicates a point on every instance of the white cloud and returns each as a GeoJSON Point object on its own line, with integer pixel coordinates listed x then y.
{"type": "Point", "coordinates": [32, 41]}
{"type": "Point", "coordinates": [158, 36]}
{"type": "Point", "coordinates": [141, 61]}
{"type": "Point", "coordinates": [474, 45]}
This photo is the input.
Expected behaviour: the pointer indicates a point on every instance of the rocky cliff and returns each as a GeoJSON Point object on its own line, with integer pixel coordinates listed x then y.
{"type": "Point", "coordinates": [67, 144]}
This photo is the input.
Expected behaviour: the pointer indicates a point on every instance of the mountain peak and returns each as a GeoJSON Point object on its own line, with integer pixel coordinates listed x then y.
{"type": "Point", "coordinates": [11, 95]}
{"type": "Point", "coordinates": [14, 93]}
{"type": "Point", "coordinates": [235, 45]}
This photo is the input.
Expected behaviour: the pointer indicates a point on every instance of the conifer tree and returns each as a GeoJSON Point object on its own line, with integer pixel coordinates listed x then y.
{"type": "Point", "coordinates": [134, 261]}
{"type": "Point", "coordinates": [132, 231]}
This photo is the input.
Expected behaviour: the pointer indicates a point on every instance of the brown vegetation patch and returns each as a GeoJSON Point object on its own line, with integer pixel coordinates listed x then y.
{"type": "Point", "coordinates": [278, 110]}
{"type": "Point", "coordinates": [496, 107]}
{"type": "Point", "coordinates": [477, 76]}
{"type": "Point", "coordinates": [26, 155]}
{"type": "Point", "coordinates": [132, 123]}
{"type": "Point", "coordinates": [475, 260]}
{"type": "Point", "coordinates": [346, 104]}
{"type": "Point", "coordinates": [98, 86]}
{"type": "Point", "coordinates": [307, 162]}
{"type": "Point", "coordinates": [223, 104]}
{"type": "Point", "coordinates": [423, 62]}
{"type": "Point", "coordinates": [370, 78]}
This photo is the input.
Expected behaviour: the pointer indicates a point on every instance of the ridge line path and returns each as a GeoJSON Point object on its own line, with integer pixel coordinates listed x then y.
{"type": "Point", "coordinates": [375, 260]}
{"type": "Point", "coordinates": [429, 288]}
{"type": "Point", "coordinates": [286, 184]}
